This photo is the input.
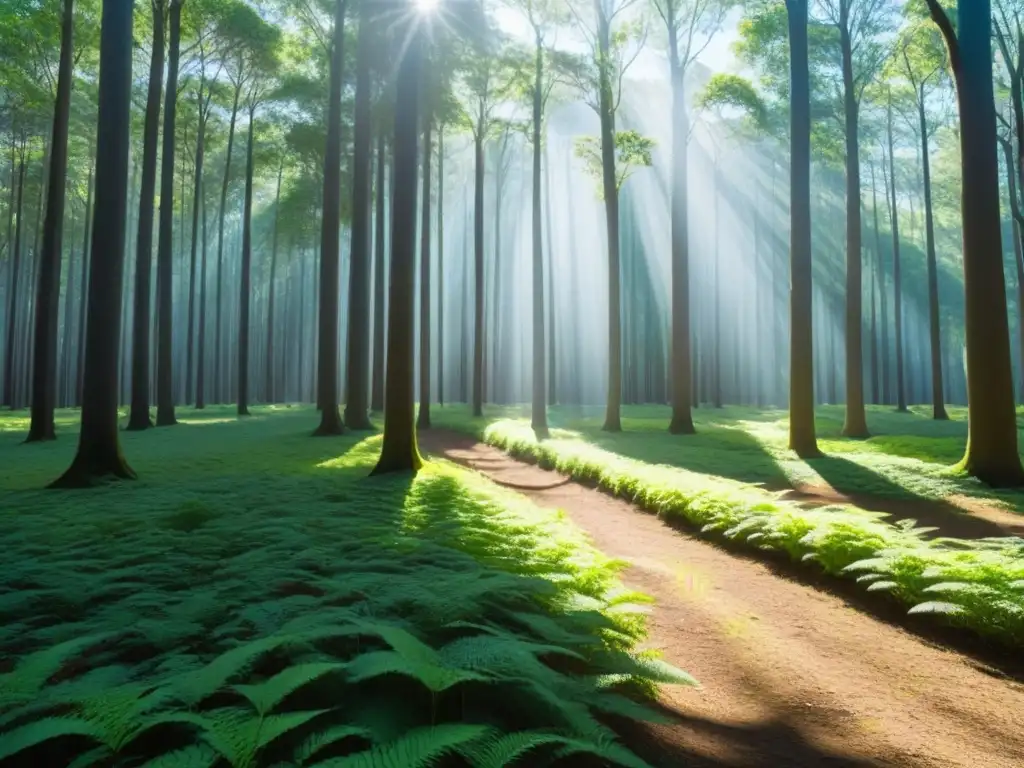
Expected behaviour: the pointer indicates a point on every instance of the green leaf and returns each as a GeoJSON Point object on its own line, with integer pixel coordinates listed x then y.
{"type": "Point", "coordinates": [268, 694]}
{"type": "Point", "coordinates": [416, 749]}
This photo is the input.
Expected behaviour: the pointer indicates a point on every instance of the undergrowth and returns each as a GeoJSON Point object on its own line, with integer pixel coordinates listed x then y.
{"type": "Point", "coordinates": [306, 616]}
{"type": "Point", "coordinates": [978, 584]}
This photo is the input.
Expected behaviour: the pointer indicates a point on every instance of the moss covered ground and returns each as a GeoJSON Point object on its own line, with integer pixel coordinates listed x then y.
{"type": "Point", "coordinates": [255, 599]}
{"type": "Point", "coordinates": [726, 480]}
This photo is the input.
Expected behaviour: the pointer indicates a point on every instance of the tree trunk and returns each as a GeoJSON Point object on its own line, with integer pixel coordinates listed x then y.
{"type": "Point", "coordinates": [44, 374]}
{"type": "Point", "coordinates": [538, 408]}
{"type": "Point", "coordinates": [682, 417]}
{"type": "Point", "coordinates": [377, 382]}
{"type": "Point", "coordinates": [272, 292]}
{"type": "Point", "coordinates": [218, 365]}
{"type": "Point", "coordinates": [201, 330]}
{"type": "Point", "coordinates": [142, 322]}
{"type": "Point", "coordinates": [938, 393]}
{"type": "Point", "coordinates": [612, 419]}
{"type": "Point", "coordinates": [991, 454]}
{"type": "Point", "coordinates": [12, 289]}
{"type": "Point", "coordinates": [880, 277]}
{"type": "Point", "coordinates": [196, 202]}
{"type": "Point", "coordinates": [330, 243]}
{"type": "Point", "coordinates": [399, 452]}
{"type": "Point", "coordinates": [440, 266]}
{"type": "Point", "coordinates": [802, 437]}
{"type": "Point", "coordinates": [99, 450]}
{"type": "Point", "coordinates": [423, 418]}
{"type": "Point", "coordinates": [246, 276]}
{"type": "Point", "coordinates": [478, 272]}
{"type": "Point", "coordinates": [1018, 254]}
{"type": "Point", "coordinates": [874, 334]}
{"type": "Point", "coordinates": [164, 259]}
{"type": "Point", "coordinates": [901, 397]}
{"type": "Point", "coordinates": [716, 293]}
{"type": "Point", "coordinates": [359, 271]}
{"type": "Point", "coordinates": [856, 424]}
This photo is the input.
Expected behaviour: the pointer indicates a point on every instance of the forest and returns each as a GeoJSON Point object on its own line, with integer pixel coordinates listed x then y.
{"type": "Point", "coordinates": [483, 383]}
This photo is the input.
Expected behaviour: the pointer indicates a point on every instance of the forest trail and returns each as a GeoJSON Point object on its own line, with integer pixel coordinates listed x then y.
{"type": "Point", "coordinates": [791, 676]}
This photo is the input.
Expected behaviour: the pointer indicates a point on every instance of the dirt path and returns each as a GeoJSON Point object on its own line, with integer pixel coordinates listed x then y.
{"type": "Point", "coordinates": [791, 676]}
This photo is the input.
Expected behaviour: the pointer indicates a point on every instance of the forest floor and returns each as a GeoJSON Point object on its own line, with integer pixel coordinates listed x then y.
{"type": "Point", "coordinates": [255, 596]}
{"type": "Point", "coordinates": [792, 675]}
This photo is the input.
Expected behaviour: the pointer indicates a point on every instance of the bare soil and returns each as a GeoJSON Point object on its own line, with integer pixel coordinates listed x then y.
{"type": "Point", "coordinates": [791, 676]}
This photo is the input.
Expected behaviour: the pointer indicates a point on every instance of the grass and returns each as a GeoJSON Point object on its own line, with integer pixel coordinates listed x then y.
{"type": "Point", "coordinates": [714, 482]}
{"type": "Point", "coordinates": [254, 599]}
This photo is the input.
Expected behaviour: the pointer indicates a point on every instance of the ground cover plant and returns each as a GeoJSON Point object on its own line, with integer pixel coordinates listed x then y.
{"type": "Point", "coordinates": [257, 600]}
{"type": "Point", "coordinates": [976, 583]}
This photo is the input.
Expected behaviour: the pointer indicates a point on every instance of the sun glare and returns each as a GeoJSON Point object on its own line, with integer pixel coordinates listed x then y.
{"type": "Point", "coordinates": [426, 6]}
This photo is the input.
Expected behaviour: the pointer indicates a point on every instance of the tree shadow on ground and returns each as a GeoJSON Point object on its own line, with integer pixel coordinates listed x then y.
{"type": "Point", "coordinates": [853, 483]}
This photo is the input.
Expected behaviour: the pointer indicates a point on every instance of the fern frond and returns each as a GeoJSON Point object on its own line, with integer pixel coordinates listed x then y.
{"type": "Point", "coordinates": [268, 694]}
{"type": "Point", "coordinates": [239, 736]}
{"type": "Point", "coordinates": [318, 740]}
{"type": "Point", "coordinates": [41, 731]}
{"type": "Point", "coordinates": [29, 677]}
{"type": "Point", "coordinates": [606, 749]}
{"type": "Point", "coordinates": [192, 756]}
{"type": "Point", "coordinates": [418, 748]}
{"type": "Point", "coordinates": [490, 752]}
{"type": "Point", "coordinates": [435, 677]}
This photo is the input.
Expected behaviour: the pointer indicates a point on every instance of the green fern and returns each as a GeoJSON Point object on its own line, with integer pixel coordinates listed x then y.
{"type": "Point", "coordinates": [434, 677]}
{"type": "Point", "coordinates": [48, 729]}
{"type": "Point", "coordinates": [26, 681]}
{"type": "Point", "coordinates": [417, 749]}
{"type": "Point", "coordinates": [319, 740]}
{"type": "Point", "coordinates": [268, 694]}
{"type": "Point", "coordinates": [504, 750]}
{"type": "Point", "coordinates": [239, 736]}
{"type": "Point", "coordinates": [192, 756]}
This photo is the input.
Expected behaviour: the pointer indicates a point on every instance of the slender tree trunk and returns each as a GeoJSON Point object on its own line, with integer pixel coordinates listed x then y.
{"type": "Point", "coordinates": [901, 398]}
{"type": "Point", "coordinates": [66, 346]}
{"type": "Point", "coordinates": [938, 392]}
{"type": "Point", "coordinates": [165, 257]}
{"type": "Point", "coordinates": [272, 292]}
{"type": "Point", "coordinates": [440, 265]}
{"type": "Point", "coordinates": [330, 243]}
{"type": "Point", "coordinates": [1018, 255]}
{"type": "Point", "coordinates": [99, 450]}
{"type": "Point", "coordinates": [612, 419]}
{"type": "Point", "coordinates": [880, 277]}
{"type": "Point", "coordinates": [142, 324]}
{"type": "Point", "coordinates": [802, 437]}
{"type": "Point", "coordinates": [552, 328]}
{"type": "Point", "coordinates": [377, 383]}
{"type": "Point", "coordinates": [716, 292]}
{"type": "Point", "coordinates": [874, 334]}
{"type": "Point", "coordinates": [218, 363]}
{"type": "Point", "coordinates": [478, 269]}
{"type": "Point", "coordinates": [201, 330]}
{"type": "Point", "coordinates": [356, 404]}
{"type": "Point", "coordinates": [538, 415]}
{"type": "Point", "coordinates": [682, 417]}
{"type": "Point", "coordinates": [245, 282]}
{"type": "Point", "coordinates": [423, 419]}
{"type": "Point", "coordinates": [44, 375]}
{"type": "Point", "coordinates": [15, 274]}
{"type": "Point", "coordinates": [856, 424]}
{"type": "Point", "coordinates": [196, 202]}
{"type": "Point", "coordinates": [399, 452]}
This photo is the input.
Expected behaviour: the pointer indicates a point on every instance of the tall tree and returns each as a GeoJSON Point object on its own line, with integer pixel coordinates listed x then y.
{"type": "Point", "coordinates": [380, 251]}
{"type": "Point", "coordinates": [399, 452]}
{"type": "Point", "coordinates": [44, 378]}
{"type": "Point", "coordinates": [691, 26]}
{"type": "Point", "coordinates": [330, 243]}
{"type": "Point", "coordinates": [357, 374]}
{"type": "Point", "coordinates": [138, 418]}
{"type": "Point", "coordinates": [99, 453]}
{"type": "Point", "coordinates": [991, 453]}
{"type": "Point", "coordinates": [859, 23]}
{"type": "Point", "coordinates": [164, 258]}
{"type": "Point", "coordinates": [614, 41]}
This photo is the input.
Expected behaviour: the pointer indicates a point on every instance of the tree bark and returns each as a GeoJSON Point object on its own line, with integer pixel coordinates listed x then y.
{"type": "Point", "coordinates": [44, 374]}
{"type": "Point", "coordinates": [802, 438]}
{"type": "Point", "coordinates": [377, 380]}
{"type": "Point", "coordinates": [330, 243]}
{"type": "Point", "coordinates": [901, 397]}
{"type": "Point", "coordinates": [359, 271]}
{"type": "Point", "coordinates": [440, 265]}
{"type": "Point", "coordinates": [934, 326]}
{"type": "Point", "coordinates": [991, 454]}
{"type": "Point", "coordinates": [246, 277]}
{"type": "Point", "coordinates": [856, 424]}
{"type": "Point", "coordinates": [165, 256]}
{"type": "Point", "coordinates": [272, 395]}
{"type": "Point", "coordinates": [612, 419]}
{"type": "Point", "coordinates": [218, 364]}
{"type": "Point", "coordinates": [538, 406]}
{"type": "Point", "coordinates": [423, 417]}
{"type": "Point", "coordinates": [12, 289]}
{"type": "Point", "coordinates": [478, 270]}
{"type": "Point", "coordinates": [399, 452]}
{"type": "Point", "coordinates": [99, 455]}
